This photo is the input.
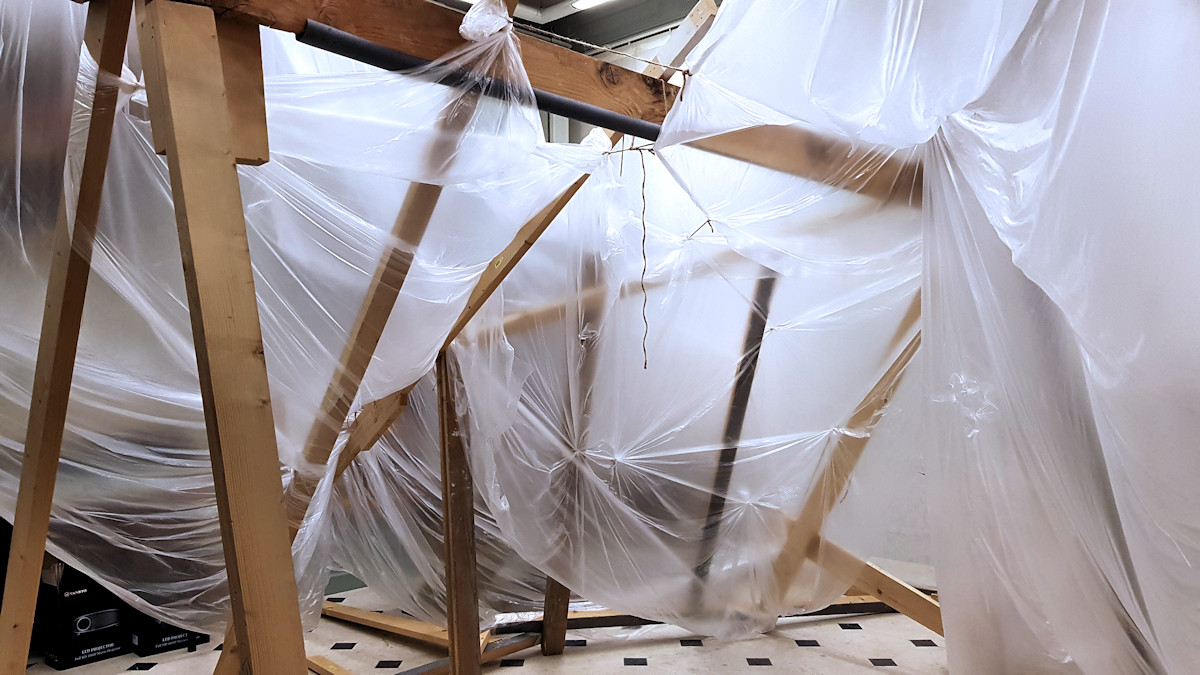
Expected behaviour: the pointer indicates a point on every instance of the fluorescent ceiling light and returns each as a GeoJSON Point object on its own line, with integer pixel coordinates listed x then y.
{"type": "Point", "coordinates": [587, 4]}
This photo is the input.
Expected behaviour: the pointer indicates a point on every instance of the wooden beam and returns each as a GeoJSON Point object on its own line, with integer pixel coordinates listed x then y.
{"type": "Point", "coordinates": [389, 277]}
{"type": "Point", "coordinates": [484, 638]}
{"type": "Point", "coordinates": [429, 31]}
{"type": "Point", "coordinates": [739, 404]}
{"type": "Point", "coordinates": [241, 60]}
{"type": "Point", "coordinates": [504, 263]}
{"type": "Point", "coordinates": [496, 650]}
{"type": "Point", "coordinates": [66, 288]}
{"type": "Point", "coordinates": [797, 151]}
{"type": "Point", "coordinates": [805, 530]}
{"type": "Point", "coordinates": [409, 229]}
{"type": "Point", "coordinates": [554, 617]}
{"type": "Point", "coordinates": [370, 425]}
{"type": "Point", "coordinates": [323, 666]}
{"type": "Point", "coordinates": [895, 592]}
{"type": "Point", "coordinates": [686, 36]}
{"type": "Point", "coordinates": [683, 40]}
{"type": "Point", "coordinates": [458, 526]}
{"type": "Point", "coordinates": [227, 335]}
{"type": "Point", "coordinates": [412, 629]}
{"type": "Point", "coordinates": [152, 75]}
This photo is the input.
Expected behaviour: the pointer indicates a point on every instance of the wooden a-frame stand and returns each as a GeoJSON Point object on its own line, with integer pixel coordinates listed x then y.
{"type": "Point", "coordinates": [205, 90]}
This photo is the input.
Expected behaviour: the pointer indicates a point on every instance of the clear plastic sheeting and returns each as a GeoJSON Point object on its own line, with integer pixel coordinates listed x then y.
{"type": "Point", "coordinates": [688, 402]}
{"type": "Point", "coordinates": [1061, 250]}
{"type": "Point", "coordinates": [134, 504]}
{"type": "Point", "coordinates": [669, 430]}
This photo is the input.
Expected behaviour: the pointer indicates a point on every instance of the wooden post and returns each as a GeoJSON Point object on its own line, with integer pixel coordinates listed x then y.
{"type": "Point", "coordinates": [554, 618]}
{"type": "Point", "coordinates": [893, 591]}
{"type": "Point", "coordinates": [739, 403]}
{"type": "Point", "coordinates": [189, 88]}
{"type": "Point", "coordinates": [504, 263]}
{"type": "Point", "coordinates": [241, 61]}
{"type": "Point", "coordinates": [458, 517]}
{"type": "Point", "coordinates": [69, 271]}
{"type": "Point", "coordinates": [805, 531]}
{"type": "Point", "coordinates": [405, 627]}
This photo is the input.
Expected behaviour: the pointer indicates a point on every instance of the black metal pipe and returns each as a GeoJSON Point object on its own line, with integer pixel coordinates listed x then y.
{"type": "Point", "coordinates": [351, 46]}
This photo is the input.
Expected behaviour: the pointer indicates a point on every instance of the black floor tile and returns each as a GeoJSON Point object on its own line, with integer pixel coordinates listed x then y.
{"type": "Point", "coordinates": [882, 662]}
{"type": "Point", "coordinates": [758, 662]}
{"type": "Point", "coordinates": [344, 645]}
{"type": "Point", "coordinates": [576, 643]}
{"type": "Point", "coordinates": [512, 663]}
{"type": "Point", "coordinates": [142, 666]}
{"type": "Point", "coordinates": [923, 643]}
{"type": "Point", "coordinates": [850, 626]}
{"type": "Point", "coordinates": [691, 643]}
{"type": "Point", "coordinates": [635, 661]}
{"type": "Point", "coordinates": [220, 647]}
{"type": "Point", "coordinates": [807, 643]}
{"type": "Point", "coordinates": [388, 664]}
{"type": "Point", "coordinates": [335, 599]}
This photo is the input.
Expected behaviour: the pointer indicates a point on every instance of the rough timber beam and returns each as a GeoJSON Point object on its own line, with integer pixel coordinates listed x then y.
{"type": "Point", "coordinates": [804, 533]}
{"type": "Point", "coordinates": [69, 271]}
{"type": "Point", "coordinates": [428, 31]}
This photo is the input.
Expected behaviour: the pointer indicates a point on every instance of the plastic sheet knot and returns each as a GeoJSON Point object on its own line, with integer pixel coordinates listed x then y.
{"type": "Point", "coordinates": [972, 399]}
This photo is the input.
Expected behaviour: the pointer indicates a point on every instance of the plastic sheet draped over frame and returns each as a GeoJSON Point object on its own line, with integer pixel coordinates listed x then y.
{"type": "Point", "coordinates": [607, 478]}
{"type": "Point", "coordinates": [134, 504]}
{"type": "Point", "coordinates": [1061, 271]}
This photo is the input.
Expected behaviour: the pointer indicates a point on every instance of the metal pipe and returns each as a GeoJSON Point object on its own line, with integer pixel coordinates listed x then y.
{"type": "Point", "coordinates": [351, 46]}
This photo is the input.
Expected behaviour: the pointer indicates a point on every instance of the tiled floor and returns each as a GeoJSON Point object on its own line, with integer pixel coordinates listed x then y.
{"type": "Point", "coordinates": [886, 643]}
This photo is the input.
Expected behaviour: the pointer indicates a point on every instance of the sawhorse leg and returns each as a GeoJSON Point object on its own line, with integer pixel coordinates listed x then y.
{"type": "Point", "coordinates": [69, 271]}
{"type": "Point", "coordinates": [187, 86]}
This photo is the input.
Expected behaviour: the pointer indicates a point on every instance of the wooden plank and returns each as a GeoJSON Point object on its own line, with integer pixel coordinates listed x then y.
{"type": "Point", "coordinates": [458, 518]}
{"type": "Point", "coordinates": [370, 425]}
{"type": "Point", "coordinates": [241, 59]}
{"type": "Point", "coordinates": [895, 592]}
{"type": "Point", "coordinates": [555, 615]}
{"type": "Point", "coordinates": [323, 666]}
{"type": "Point", "coordinates": [429, 31]}
{"type": "Point", "coordinates": [496, 650]}
{"type": "Point", "coordinates": [739, 404]}
{"type": "Point", "coordinates": [152, 75]}
{"type": "Point", "coordinates": [686, 36]}
{"type": "Point", "coordinates": [386, 283]}
{"type": "Point", "coordinates": [226, 332]}
{"type": "Point", "coordinates": [484, 638]}
{"type": "Point", "coordinates": [66, 288]}
{"type": "Point", "coordinates": [504, 263]}
{"type": "Point", "coordinates": [804, 532]}
{"type": "Point", "coordinates": [396, 625]}
{"type": "Point", "coordinates": [799, 152]}
{"type": "Point", "coordinates": [388, 280]}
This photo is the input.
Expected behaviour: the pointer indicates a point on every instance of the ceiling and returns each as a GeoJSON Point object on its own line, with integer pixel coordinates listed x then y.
{"type": "Point", "coordinates": [608, 24]}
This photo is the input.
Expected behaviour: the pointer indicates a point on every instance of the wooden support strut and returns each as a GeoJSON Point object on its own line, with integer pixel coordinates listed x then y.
{"type": "Point", "coordinates": [496, 649]}
{"type": "Point", "coordinates": [187, 84]}
{"type": "Point", "coordinates": [896, 593]}
{"type": "Point", "coordinates": [458, 518]}
{"type": "Point", "coordinates": [739, 403]}
{"type": "Point", "coordinates": [323, 666]}
{"type": "Point", "coordinates": [429, 31]}
{"type": "Point", "coordinates": [805, 531]}
{"type": "Point", "coordinates": [406, 627]}
{"type": "Point", "coordinates": [69, 271]}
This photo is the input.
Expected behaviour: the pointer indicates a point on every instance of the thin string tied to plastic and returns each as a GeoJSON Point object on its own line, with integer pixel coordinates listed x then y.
{"type": "Point", "coordinates": [641, 150]}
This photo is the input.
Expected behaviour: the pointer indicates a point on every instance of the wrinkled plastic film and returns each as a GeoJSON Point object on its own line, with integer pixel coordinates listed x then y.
{"type": "Point", "coordinates": [134, 504]}
{"type": "Point", "coordinates": [1058, 265]}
